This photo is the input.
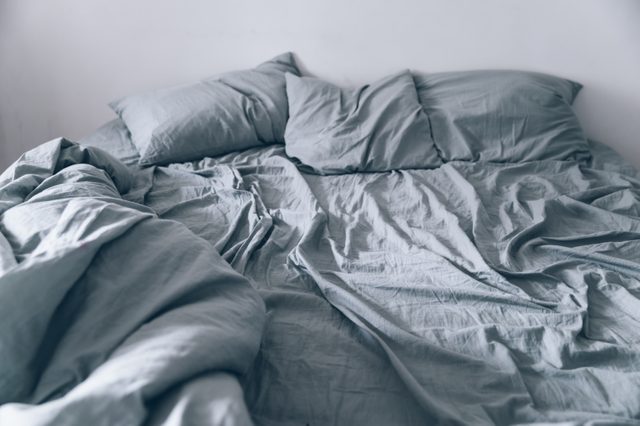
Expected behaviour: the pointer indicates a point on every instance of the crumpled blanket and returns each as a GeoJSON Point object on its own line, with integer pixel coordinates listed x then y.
{"type": "Point", "coordinates": [111, 315]}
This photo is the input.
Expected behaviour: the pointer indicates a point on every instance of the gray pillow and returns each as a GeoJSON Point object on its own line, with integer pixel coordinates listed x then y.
{"type": "Point", "coordinates": [374, 128]}
{"type": "Point", "coordinates": [231, 112]}
{"type": "Point", "coordinates": [114, 138]}
{"type": "Point", "coordinates": [503, 116]}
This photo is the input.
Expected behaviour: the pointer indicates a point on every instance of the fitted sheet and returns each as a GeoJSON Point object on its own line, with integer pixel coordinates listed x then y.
{"type": "Point", "coordinates": [473, 293]}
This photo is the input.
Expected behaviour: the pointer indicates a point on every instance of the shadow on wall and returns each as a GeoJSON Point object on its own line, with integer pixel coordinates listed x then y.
{"type": "Point", "coordinates": [4, 161]}
{"type": "Point", "coordinates": [4, 155]}
{"type": "Point", "coordinates": [611, 105]}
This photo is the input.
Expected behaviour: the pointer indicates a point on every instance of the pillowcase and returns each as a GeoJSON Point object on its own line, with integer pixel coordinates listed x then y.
{"type": "Point", "coordinates": [375, 128]}
{"type": "Point", "coordinates": [114, 138]}
{"type": "Point", "coordinates": [235, 111]}
{"type": "Point", "coordinates": [503, 116]}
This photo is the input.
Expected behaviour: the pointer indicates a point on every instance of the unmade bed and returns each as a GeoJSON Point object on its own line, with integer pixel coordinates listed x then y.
{"type": "Point", "coordinates": [332, 279]}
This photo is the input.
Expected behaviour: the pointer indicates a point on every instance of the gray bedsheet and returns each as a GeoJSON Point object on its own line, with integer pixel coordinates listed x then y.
{"type": "Point", "coordinates": [474, 293]}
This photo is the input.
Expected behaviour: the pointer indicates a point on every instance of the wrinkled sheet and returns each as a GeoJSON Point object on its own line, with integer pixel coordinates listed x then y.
{"type": "Point", "coordinates": [469, 294]}
{"type": "Point", "coordinates": [111, 315]}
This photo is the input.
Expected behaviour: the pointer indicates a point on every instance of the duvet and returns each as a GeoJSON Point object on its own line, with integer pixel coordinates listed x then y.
{"type": "Point", "coordinates": [111, 315]}
{"type": "Point", "coordinates": [474, 293]}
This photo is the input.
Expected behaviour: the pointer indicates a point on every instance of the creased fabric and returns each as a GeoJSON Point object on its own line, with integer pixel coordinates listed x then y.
{"type": "Point", "coordinates": [105, 307]}
{"type": "Point", "coordinates": [475, 293]}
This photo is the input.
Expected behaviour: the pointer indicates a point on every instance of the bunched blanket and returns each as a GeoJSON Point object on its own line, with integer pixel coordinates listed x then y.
{"type": "Point", "coordinates": [110, 314]}
{"type": "Point", "coordinates": [474, 293]}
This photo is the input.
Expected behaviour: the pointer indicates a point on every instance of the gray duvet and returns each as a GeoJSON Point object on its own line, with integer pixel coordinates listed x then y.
{"type": "Point", "coordinates": [474, 293]}
{"type": "Point", "coordinates": [111, 315]}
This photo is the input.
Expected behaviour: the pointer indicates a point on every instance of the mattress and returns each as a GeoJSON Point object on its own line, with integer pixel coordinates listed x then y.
{"type": "Point", "coordinates": [473, 293]}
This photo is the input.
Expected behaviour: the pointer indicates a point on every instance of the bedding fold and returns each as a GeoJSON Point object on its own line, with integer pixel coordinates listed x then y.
{"type": "Point", "coordinates": [475, 293]}
{"type": "Point", "coordinates": [512, 315]}
{"type": "Point", "coordinates": [106, 307]}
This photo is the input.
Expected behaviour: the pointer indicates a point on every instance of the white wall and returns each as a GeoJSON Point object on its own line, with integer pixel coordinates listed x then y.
{"type": "Point", "coordinates": [61, 61]}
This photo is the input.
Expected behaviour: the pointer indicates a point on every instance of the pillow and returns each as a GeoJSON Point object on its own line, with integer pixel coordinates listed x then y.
{"type": "Point", "coordinates": [232, 112]}
{"type": "Point", "coordinates": [502, 116]}
{"type": "Point", "coordinates": [114, 138]}
{"type": "Point", "coordinates": [374, 128]}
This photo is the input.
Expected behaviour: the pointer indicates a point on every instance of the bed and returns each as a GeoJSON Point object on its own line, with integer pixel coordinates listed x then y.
{"type": "Point", "coordinates": [476, 279]}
